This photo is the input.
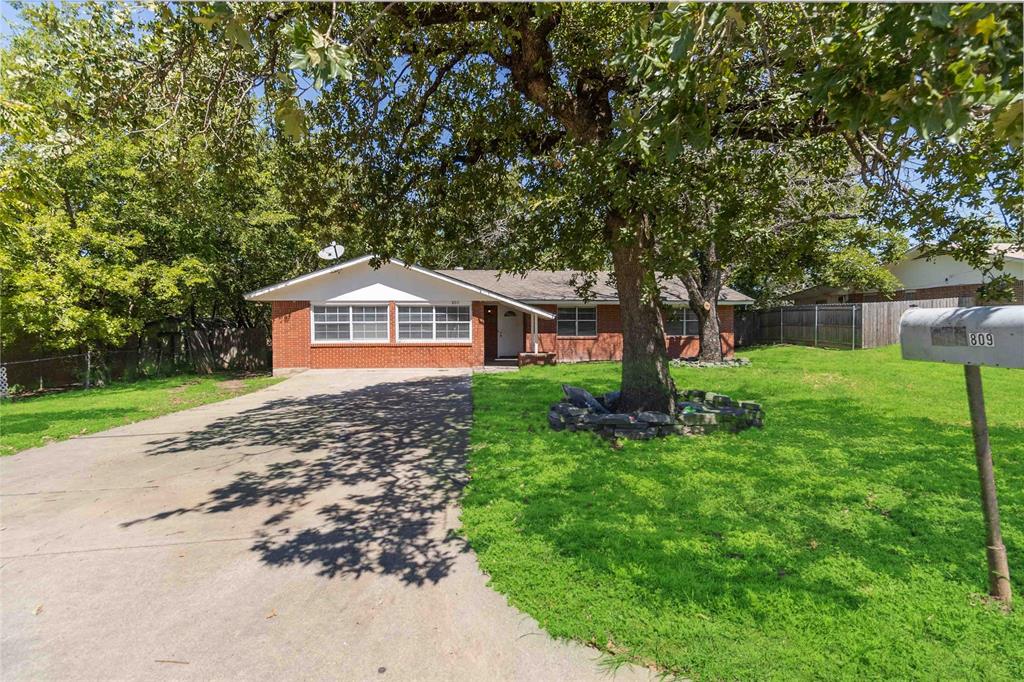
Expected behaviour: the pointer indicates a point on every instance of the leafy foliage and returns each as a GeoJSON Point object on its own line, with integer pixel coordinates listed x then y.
{"type": "Point", "coordinates": [703, 140]}
{"type": "Point", "coordinates": [928, 98]}
{"type": "Point", "coordinates": [115, 218]}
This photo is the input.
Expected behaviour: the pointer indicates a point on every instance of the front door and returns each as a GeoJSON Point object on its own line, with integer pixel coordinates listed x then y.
{"type": "Point", "coordinates": [510, 332]}
{"type": "Point", "coordinates": [490, 332]}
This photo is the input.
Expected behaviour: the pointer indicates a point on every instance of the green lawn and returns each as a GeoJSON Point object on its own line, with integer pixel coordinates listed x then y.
{"type": "Point", "coordinates": [37, 421]}
{"type": "Point", "coordinates": [843, 541]}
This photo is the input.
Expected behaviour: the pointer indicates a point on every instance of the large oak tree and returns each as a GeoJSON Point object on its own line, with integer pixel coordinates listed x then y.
{"type": "Point", "coordinates": [644, 139]}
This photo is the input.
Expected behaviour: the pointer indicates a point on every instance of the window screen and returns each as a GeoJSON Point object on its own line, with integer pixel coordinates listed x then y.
{"type": "Point", "coordinates": [577, 321]}
{"type": "Point", "coordinates": [681, 321]}
{"type": "Point", "coordinates": [350, 323]}
{"type": "Point", "coordinates": [425, 322]}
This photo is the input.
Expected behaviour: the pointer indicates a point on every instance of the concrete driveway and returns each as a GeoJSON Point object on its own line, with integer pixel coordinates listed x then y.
{"type": "Point", "coordinates": [305, 531]}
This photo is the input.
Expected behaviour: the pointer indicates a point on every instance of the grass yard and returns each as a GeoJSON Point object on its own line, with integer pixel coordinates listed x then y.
{"type": "Point", "coordinates": [843, 541]}
{"type": "Point", "coordinates": [36, 421]}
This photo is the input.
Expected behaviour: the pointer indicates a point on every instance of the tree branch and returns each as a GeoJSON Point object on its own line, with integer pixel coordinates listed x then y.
{"type": "Point", "coordinates": [535, 143]}
{"type": "Point", "coordinates": [442, 13]}
{"type": "Point", "coordinates": [442, 71]}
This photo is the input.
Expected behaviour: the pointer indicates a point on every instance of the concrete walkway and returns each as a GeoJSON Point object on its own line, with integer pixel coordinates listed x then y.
{"type": "Point", "coordinates": [300, 532]}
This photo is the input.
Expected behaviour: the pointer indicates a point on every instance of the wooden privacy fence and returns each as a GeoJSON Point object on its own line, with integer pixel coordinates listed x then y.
{"type": "Point", "coordinates": [834, 325]}
{"type": "Point", "coordinates": [238, 348]}
{"type": "Point", "coordinates": [881, 321]}
{"type": "Point", "coordinates": [829, 326]}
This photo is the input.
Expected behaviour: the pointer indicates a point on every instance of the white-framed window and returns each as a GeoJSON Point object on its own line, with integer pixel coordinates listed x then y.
{"type": "Point", "coordinates": [681, 321]}
{"type": "Point", "coordinates": [349, 323]}
{"type": "Point", "coordinates": [577, 321]}
{"type": "Point", "coordinates": [434, 323]}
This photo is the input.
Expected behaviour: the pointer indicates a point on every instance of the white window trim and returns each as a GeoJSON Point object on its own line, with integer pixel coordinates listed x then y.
{"type": "Point", "coordinates": [434, 341]}
{"type": "Point", "coordinates": [577, 336]}
{"type": "Point", "coordinates": [696, 320]}
{"type": "Point", "coordinates": [357, 342]}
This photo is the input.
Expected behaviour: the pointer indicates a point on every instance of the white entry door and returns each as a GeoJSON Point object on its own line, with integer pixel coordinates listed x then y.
{"type": "Point", "coordinates": [510, 332]}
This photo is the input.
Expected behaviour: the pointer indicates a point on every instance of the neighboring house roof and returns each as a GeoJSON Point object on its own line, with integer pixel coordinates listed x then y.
{"type": "Point", "coordinates": [817, 291]}
{"type": "Point", "coordinates": [553, 286]}
{"type": "Point", "coordinates": [516, 291]}
{"type": "Point", "coordinates": [917, 272]}
{"type": "Point", "coordinates": [1010, 252]}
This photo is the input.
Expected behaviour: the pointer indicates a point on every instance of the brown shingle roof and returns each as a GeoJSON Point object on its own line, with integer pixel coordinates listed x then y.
{"type": "Point", "coordinates": [556, 285]}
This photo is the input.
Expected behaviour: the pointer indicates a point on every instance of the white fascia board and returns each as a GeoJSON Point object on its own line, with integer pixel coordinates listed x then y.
{"type": "Point", "coordinates": [256, 295]}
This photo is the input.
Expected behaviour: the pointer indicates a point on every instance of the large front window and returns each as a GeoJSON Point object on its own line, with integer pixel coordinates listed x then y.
{"type": "Point", "coordinates": [350, 323]}
{"type": "Point", "coordinates": [680, 321]}
{"type": "Point", "coordinates": [577, 321]}
{"type": "Point", "coordinates": [433, 323]}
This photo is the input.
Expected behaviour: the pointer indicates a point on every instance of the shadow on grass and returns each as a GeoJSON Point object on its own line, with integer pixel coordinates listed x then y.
{"type": "Point", "coordinates": [392, 454]}
{"type": "Point", "coordinates": [815, 508]}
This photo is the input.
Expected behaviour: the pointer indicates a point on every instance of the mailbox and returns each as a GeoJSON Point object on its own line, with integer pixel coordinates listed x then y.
{"type": "Point", "coordinates": [983, 335]}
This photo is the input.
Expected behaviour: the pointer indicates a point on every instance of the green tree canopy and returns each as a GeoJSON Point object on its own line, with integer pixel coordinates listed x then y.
{"type": "Point", "coordinates": [636, 138]}
{"type": "Point", "coordinates": [114, 219]}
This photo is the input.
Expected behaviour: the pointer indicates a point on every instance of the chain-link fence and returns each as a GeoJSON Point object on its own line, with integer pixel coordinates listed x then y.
{"type": "Point", "coordinates": [190, 351]}
{"type": "Point", "coordinates": [93, 368]}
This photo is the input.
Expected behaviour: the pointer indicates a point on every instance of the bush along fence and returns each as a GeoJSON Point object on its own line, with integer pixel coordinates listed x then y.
{"type": "Point", "coordinates": [833, 325]}
{"type": "Point", "coordinates": [698, 413]}
{"type": "Point", "coordinates": [191, 350]}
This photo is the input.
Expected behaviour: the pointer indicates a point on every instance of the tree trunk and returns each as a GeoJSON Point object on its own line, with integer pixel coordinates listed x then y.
{"type": "Point", "coordinates": [704, 287]}
{"type": "Point", "coordinates": [710, 335]}
{"type": "Point", "coordinates": [646, 383]}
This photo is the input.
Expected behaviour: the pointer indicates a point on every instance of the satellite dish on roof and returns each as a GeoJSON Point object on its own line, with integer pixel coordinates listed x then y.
{"type": "Point", "coordinates": [332, 251]}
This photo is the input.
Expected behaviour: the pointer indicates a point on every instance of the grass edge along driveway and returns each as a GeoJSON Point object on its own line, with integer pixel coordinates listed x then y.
{"type": "Point", "coordinates": [32, 422]}
{"type": "Point", "coordinates": [844, 541]}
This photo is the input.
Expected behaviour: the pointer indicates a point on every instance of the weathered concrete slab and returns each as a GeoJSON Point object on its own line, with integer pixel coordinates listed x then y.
{"type": "Point", "coordinates": [301, 532]}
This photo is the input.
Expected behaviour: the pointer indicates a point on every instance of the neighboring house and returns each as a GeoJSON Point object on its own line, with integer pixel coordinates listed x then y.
{"type": "Point", "coordinates": [939, 277]}
{"type": "Point", "coordinates": [352, 315]}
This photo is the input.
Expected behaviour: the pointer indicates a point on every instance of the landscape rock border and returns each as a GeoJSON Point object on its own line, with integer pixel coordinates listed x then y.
{"type": "Point", "coordinates": [698, 364]}
{"type": "Point", "coordinates": [698, 413]}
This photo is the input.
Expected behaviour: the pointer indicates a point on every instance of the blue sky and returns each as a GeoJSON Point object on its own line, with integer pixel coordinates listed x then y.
{"type": "Point", "coordinates": [7, 15]}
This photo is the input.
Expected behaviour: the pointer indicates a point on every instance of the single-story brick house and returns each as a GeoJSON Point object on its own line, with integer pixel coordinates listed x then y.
{"type": "Point", "coordinates": [353, 315]}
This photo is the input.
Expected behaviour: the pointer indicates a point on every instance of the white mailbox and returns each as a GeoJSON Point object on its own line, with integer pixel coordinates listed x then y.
{"type": "Point", "coordinates": [983, 335]}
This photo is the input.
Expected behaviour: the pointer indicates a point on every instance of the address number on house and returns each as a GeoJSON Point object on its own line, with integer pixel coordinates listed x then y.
{"type": "Point", "coordinates": [986, 339]}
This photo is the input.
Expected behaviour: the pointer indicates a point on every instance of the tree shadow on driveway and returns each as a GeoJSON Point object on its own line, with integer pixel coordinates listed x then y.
{"type": "Point", "coordinates": [394, 451]}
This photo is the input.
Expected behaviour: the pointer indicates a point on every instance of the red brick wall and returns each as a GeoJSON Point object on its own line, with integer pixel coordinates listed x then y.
{"type": "Point", "coordinates": [290, 333]}
{"type": "Point", "coordinates": [934, 292]}
{"type": "Point", "coordinates": [291, 326]}
{"type": "Point", "coordinates": [607, 345]}
{"type": "Point", "coordinates": [293, 347]}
